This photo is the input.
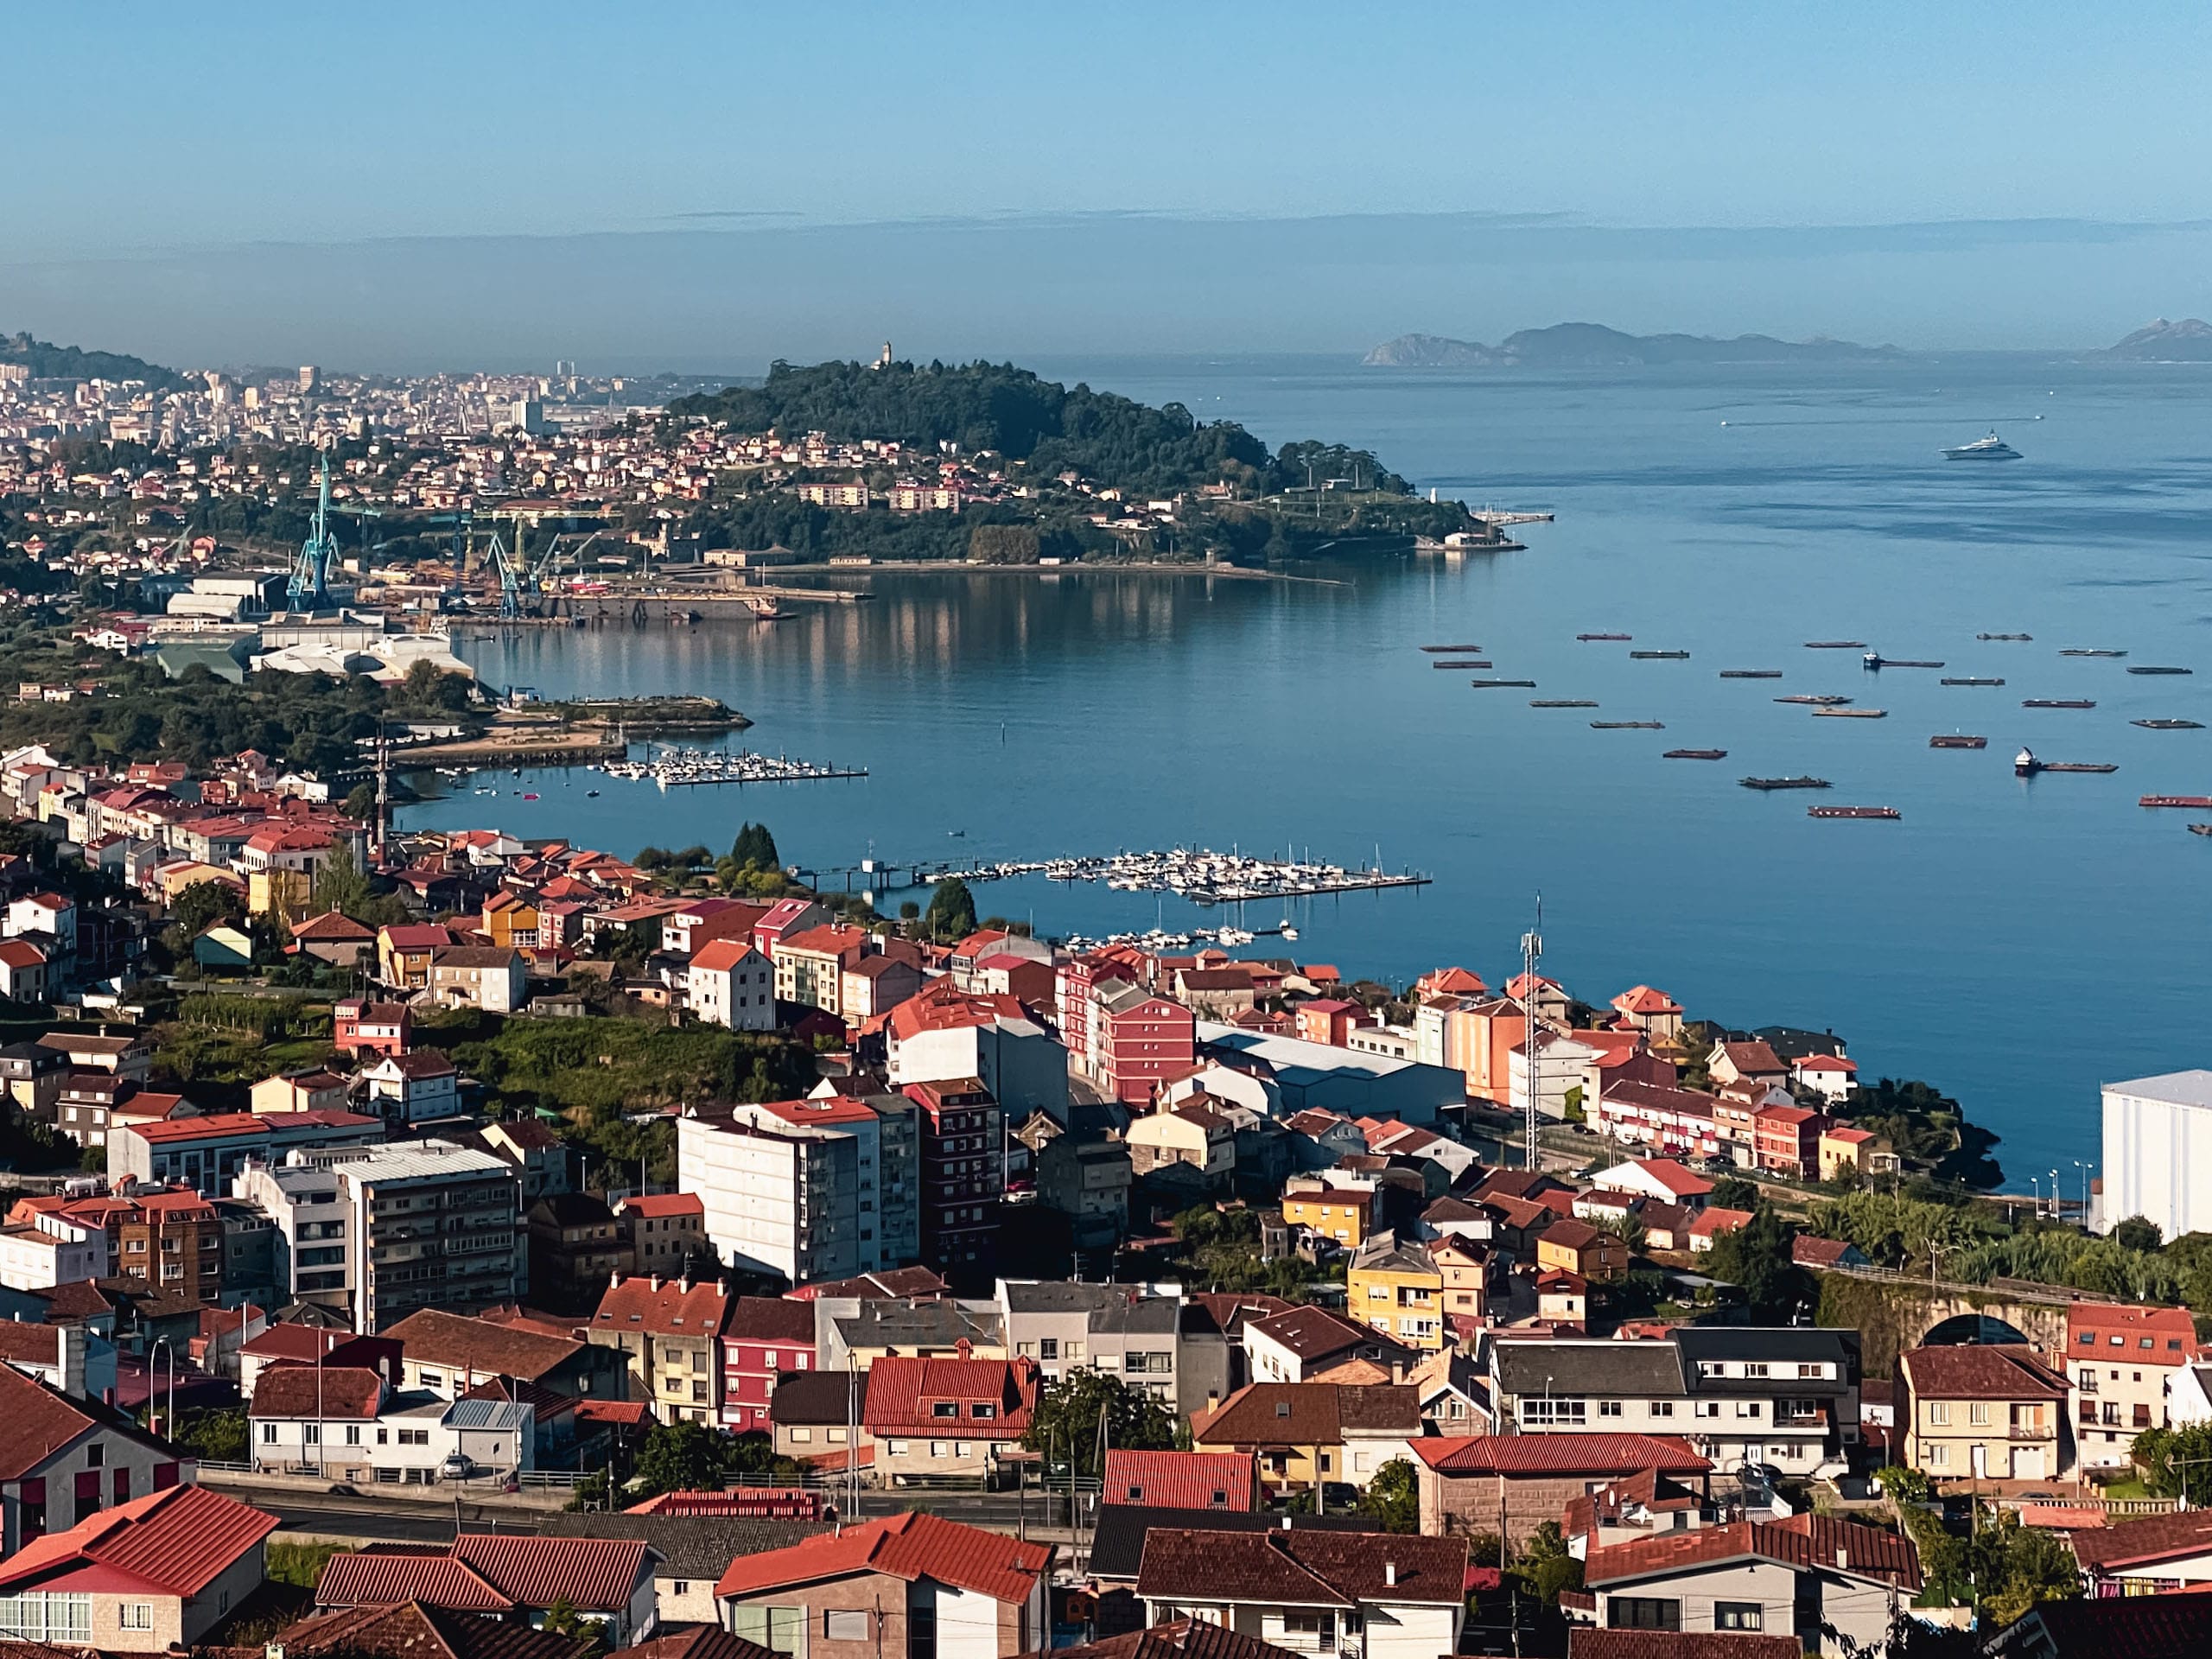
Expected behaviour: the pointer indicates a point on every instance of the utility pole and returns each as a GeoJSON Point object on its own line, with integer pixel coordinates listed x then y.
{"type": "Point", "coordinates": [1532, 952]}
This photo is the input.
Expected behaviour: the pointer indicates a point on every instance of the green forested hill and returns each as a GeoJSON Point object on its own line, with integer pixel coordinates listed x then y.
{"type": "Point", "coordinates": [1052, 428]}
{"type": "Point", "coordinates": [47, 361]}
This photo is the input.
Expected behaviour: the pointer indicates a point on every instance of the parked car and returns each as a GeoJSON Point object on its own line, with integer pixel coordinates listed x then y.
{"type": "Point", "coordinates": [457, 1467]}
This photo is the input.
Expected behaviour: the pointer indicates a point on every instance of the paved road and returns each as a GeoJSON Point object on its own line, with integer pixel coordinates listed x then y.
{"type": "Point", "coordinates": [399, 1521]}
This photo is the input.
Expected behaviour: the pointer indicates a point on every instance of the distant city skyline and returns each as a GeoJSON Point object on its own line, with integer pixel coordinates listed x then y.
{"type": "Point", "coordinates": [703, 189]}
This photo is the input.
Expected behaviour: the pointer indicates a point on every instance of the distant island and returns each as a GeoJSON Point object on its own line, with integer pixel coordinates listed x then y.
{"type": "Point", "coordinates": [1594, 345]}
{"type": "Point", "coordinates": [2189, 341]}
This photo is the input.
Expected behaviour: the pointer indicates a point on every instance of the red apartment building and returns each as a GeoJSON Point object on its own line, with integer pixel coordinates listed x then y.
{"type": "Point", "coordinates": [1331, 1019]}
{"type": "Point", "coordinates": [1078, 983]}
{"type": "Point", "coordinates": [1140, 1040]}
{"type": "Point", "coordinates": [360, 1027]}
{"type": "Point", "coordinates": [1786, 1139]}
{"type": "Point", "coordinates": [963, 1176]}
{"type": "Point", "coordinates": [764, 1337]}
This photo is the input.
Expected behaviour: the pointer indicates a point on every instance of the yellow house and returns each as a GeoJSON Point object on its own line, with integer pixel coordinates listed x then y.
{"type": "Point", "coordinates": [1343, 1214]}
{"type": "Point", "coordinates": [176, 878]}
{"type": "Point", "coordinates": [1846, 1151]}
{"type": "Point", "coordinates": [1398, 1290]}
{"type": "Point", "coordinates": [1464, 1267]}
{"type": "Point", "coordinates": [1982, 1414]}
{"type": "Point", "coordinates": [288, 892]}
{"type": "Point", "coordinates": [511, 920]}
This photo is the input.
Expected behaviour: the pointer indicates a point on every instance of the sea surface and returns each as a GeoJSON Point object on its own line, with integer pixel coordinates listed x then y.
{"type": "Point", "coordinates": [2014, 942]}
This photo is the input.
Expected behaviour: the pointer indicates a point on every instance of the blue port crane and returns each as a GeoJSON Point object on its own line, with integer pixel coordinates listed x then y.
{"type": "Point", "coordinates": [310, 588]}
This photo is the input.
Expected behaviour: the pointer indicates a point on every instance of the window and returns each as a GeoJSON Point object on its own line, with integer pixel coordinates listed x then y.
{"type": "Point", "coordinates": [1661, 1408]}
{"type": "Point", "coordinates": [983, 1409]}
{"type": "Point", "coordinates": [1643, 1613]}
{"type": "Point", "coordinates": [268, 1434]}
{"type": "Point", "coordinates": [1747, 1407]}
{"type": "Point", "coordinates": [1048, 1348]}
{"type": "Point", "coordinates": [1609, 1408]}
{"type": "Point", "coordinates": [782, 1629]}
{"type": "Point", "coordinates": [801, 1436]}
{"type": "Point", "coordinates": [1938, 1457]}
{"type": "Point", "coordinates": [1545, 1411]}
{"type": "Point", "coordinates": [352, 1434]}
{"type": "Point", "coordinates": [944, 1408]}
{"type": "Point", "coordinates": [1705, 1408]}
{"type": "Point", "coordinates": [1738, 1615]}
{"type": "Point", "coordinates": [845, 1625]}
{"type": "Point", "coordinates": [137, 1616]}
{"type": "Point", "coordinates": [1755, 1368]}
{"type": "Point", "coordinates": [1977, 1413]}
{"type": "Point", "coordinates": [937, 1448]}
{"type": "Point", "coordinates": [95, 1454]}
{"type": "Point", "coordinates": [1938, 1413]}
{"type": "Point", "coordinates": [46, 1617]}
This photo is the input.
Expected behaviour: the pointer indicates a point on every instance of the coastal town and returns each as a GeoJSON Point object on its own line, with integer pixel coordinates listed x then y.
{"type": "Point", "coordinates": [921, 1273]}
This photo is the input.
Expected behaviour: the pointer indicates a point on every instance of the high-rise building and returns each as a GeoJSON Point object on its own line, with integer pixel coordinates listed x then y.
{"type": "Point", "coordinates": [809, 1188]}
{"type": "Point", "coordinates": [428, 1224]}
{"type": "Point", "coordinates": [310, 379]}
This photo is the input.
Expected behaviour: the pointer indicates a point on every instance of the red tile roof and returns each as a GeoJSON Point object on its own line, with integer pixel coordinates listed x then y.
{"type": "Point", "coordinates": [1594, 1455]}
{"type": "Point", "coordinates": [2140, 1543]}
{"type": "Point", "coordinates": [377, 1577]}
{"type": "Point", "coordinates": [1179, 1480]}
{"type": "Point", "coordinates": [1848, 1548]}
{"type": "Point", "coordinates": [662, 1204]}
{"type": "Point", "coordinates": [720, 956]}
{"type": "Point", "coordinates": [904, 1393]}
{"type": "Point", "coordinates": [770, 1319]}
{"type": "Point", "coordinates": [1980, 1373]}
{"type": "Point", "coordinates": [667, 1307]}
{"type": "Point", "coordinates": [2147, 1336]}
{"type": "Point", "coordinates": [1643, 999]}
{"type": "Point", "coordinates": [597, 1574]}
{"type": "Point", "coordinates": [294, 1390]}
{"type": "Point", "coordinates": [434, 1336]}
{"type": "Point", "coordinates": [177, 1540]}
{"type": "Point", "coordinates": [410, 1631]}
{"type": "Point", "coordinates": [910, 1546]}
{"type": "Point", "coordinates": [1301, 1566]}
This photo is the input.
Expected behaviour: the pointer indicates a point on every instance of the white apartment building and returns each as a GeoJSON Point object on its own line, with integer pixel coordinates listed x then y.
{"type": "Point", "coordinates": [428, 1224]}
{"type": "Point", "coordinates": [302, 1201]}
{"type": "Point", "coordinates": [730, 983]}
{"type": "Point", "coordinates": [810, 1189]}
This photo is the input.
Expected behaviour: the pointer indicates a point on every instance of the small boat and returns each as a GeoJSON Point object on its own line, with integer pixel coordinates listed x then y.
{"type": "Point", "coordinates": [1852, 812]}
{"type": "Point", "coordinates": [1460, 662]}
{"type": "Point", "coordinates": [2143, 668]}
{"type": "Point", "coordinates": [1605, 636]}
{"type": "Point", "coordinates": [2058, 702]}
{"type": "Point", "coordinates": [1563, 703]}
{"type": "Point", "coordinates": [2004, 636]}
{"type": "Point", "coordinates": [530, 798]}
{"type": "Point", "coordinates": [591, 794]}
{"type": "Point", "coordinates": [1785, 783]}
{"type": "Point", "coordinates": [2200, 802]}
{"type": "Point", "coordinates": [2076, 651]}
{"type": "Point", "coordinates": [766, 610]}
{"type": "Point", "coordinates": [1628, 726]}
{"type": "Point", "coordinates": [1851, 714]}
{"type": "Point", "coordinates": [958, 835]}
{"type": "Point", "coordinates": [1659, 656]}
{"type": "Point", "coordinates": [1814, 700]}
{"type": "Point", "coordinates": [2200, 828]}
{"type": "Point", "coordinates": [1750, 673]}
{"type": "Point", "coordinates": [1874, 659]}
{"type": "Point", "coordinates": [1696, 755]}
{"type": "Point", "coordinates": [1992, 448]}
{"type": "Point", "coordinates": [1435, 650]}
{"type": "Point", "coordinates": [1958, 740]}
{"type": "Point", "coordinates": [1968, 679]}
{"type": "Point", "coordinates": [1835, 644]}
{"type": "Point", "coordinates": [2168, 725]}
{"type": "Point", "coordinates": [2098, 766]}
{"type": "Point", "coordinates": [1482, 685]}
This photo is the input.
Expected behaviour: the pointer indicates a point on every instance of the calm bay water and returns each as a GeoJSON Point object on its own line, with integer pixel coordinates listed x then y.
{"type": "Point", "coordinates": [2014, 942]}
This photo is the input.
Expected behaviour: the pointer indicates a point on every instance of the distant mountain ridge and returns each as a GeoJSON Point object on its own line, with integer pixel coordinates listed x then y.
{"type": "Point", "coordinates": [1594, 345]}
{"type": "Point", "coordinates": [2189, 341]}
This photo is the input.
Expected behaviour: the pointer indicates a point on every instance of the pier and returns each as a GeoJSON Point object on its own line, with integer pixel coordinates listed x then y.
{"type": "Point", "coordinates": [680, 768]}
{"type": "Point", "coordinates": [1201, 875]}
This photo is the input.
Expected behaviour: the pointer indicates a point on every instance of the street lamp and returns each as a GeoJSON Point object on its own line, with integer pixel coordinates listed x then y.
{"type": "Point", "coordinates": [153, 1359]}
{"type": "Point", "coordinates": [2085, 1168]}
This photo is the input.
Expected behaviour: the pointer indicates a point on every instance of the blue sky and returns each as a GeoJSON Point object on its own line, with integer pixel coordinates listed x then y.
{"type": "Point", "coordinates": [1790, 141]}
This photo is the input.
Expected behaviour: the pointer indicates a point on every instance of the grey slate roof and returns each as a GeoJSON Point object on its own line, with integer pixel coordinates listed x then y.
{"type": "Point", "coordinates": [1117, 1546]}
{"type": "Point", "coordinates": [1643, 1370]}
{"type": "Point", "coordinates": [690, 1546]}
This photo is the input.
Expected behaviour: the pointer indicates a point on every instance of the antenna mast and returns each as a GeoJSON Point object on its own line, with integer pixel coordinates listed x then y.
{"type": "Point", "coordinates": [1532, 952]}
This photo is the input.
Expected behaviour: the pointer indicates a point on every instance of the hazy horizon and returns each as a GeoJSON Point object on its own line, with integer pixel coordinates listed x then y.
{"type": "Point", "coordinates": [730, 299]}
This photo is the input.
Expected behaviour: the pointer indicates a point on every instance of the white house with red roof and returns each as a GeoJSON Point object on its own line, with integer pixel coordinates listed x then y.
{"type": "Point", "coordinates": [1829, 1075]}
{"type": "Point", "coordinates": [1652, 1011]}
{"type": "Point", "coordinates": [784, 918]}
{"type": "Point", "coordinates": [2123, 1362]}
{"type": "Point", "coordinates": [945, 1034]}
{"type": "Point", "coordinates": [22, 971]}
{"type": "Point", "coordinates": [933, 1418]}
{"type": "Point", "coordinates": [730, 983]}
{"type": "Point", "coordinates": [1663, 1178]}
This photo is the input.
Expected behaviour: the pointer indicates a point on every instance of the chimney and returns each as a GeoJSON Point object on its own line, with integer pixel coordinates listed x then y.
{"type": "Point", "coordinates": [614, 1280]}
{"type": "Point", "coordinates": [656, 1282]}
{"type": "Point", "coordinates": [1842, 1559]}
{"type": "Point", "coordinates": [1390, 1572]}
{"type": "Point", "coordinates": [683, 1281]}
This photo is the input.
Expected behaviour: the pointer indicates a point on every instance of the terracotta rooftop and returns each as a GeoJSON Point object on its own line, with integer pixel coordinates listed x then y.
{"type": "Point", "coordinates": [911, 1546]}
{"type": "Point", "coordinates": [180, 1539]}
{"type": "Point", "coordinates": [1179, 1480]}
{"type": "Point", "coordinates": [1302, 1568]}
